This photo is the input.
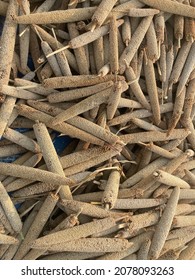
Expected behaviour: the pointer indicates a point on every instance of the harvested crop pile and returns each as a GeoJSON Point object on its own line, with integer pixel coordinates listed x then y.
{"type": "Point", "coordinates": [97, 131]}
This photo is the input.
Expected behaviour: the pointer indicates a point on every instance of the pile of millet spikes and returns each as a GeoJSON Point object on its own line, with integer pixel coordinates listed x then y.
{"type": "Point", "coordinates": [118, 79]}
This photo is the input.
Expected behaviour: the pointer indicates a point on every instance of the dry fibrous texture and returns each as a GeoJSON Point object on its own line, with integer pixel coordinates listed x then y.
{"type": "Point", "coordinates": [97, 137]}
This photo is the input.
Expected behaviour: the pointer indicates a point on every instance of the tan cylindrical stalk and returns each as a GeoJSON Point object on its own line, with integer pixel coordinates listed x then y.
{"type": "Point", "coordinates": [164, 225]}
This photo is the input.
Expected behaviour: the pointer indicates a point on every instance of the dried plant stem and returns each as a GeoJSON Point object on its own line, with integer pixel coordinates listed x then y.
{"type": "Point", "coordinates": [144, 249]}
{"type": "Point", "coordinates": [154, 136]}
{"type": "Point", "coordinates": [152, 46]}
{"type": "Point", "coordinates": [93, 245]}
{"type": "Point", "coordinates": [10, 210]}
{"type": "Point", "coordinates": [137, 241]}
{"type": "Point", "coordinates": [152, 90]}
{"type": "Point", "coordinates": [12, 183]}
{"type": "Point", "coordinates": [179, 62]}
{"type": "Point", "coordinates": [64, 128]}
{"type": "Point", "coordinates": [137, 203]}
{"type": "Point", "coordinates": [78, 93]}
{"type": "Point", "coordinates": [144, 172]}
{"type": "Point", "coordinates": [5, 113]}
{"type": "Point", "coordinates": [83, 106]}
{"type": "Point", "coordinates": [102, 12]}
{"type": "Point", "coordinates": [50, 156]}
{"type": "Point", "coordinates": [177, 111]}
{"type": "Point", "coordinates": [171, 180]}
{"type": "Point", "coordinates": [135, 12]}
{"type": "Point", "coordinates": [81, 123]}
{"type": "Point", "coordinates": [73, 233]}
{"type": "Point", "coordinates": [22, 140]}
{"type": "Point", "coordinates": [19, 93]}
{"type": "Point", "coordinates": [140, 114]}
{"type": "Point", "coordinates": [52, 60]}
{"type": "Point", "coordinates": [7, 44]}
{"type": "Point", "coordinates": [187, 69]}
{"type": "Point", "coordinates": [33, 174]}
{"type": "Point", "coordinates": [110, 193]}
{"type": "Point", "coordinates": [37, 226]}
{"type": "Point", "coordinates": [171, 7]}
{"type": "Point", "coordinates": [77, 81]}
{"type": "Point", "coordinates": [85, 208]}
{"type": "Point", "coordinates": [134, 44]}
{"type": "Point", "coordinates": [80, 53]}
{"type": "Point", "coordinates": [188, 252]}
{"type": "Point", "coordinates": [87, 37]}
{"type": "Point", "coordinates": [163, 227]}
{"type": "Point", "coordinates": [64, 16]}
{"type": "Point", "coordinates": [113, 44]}
{"type": "Point", "coordinates": [135, 87]}
{"type": "Point", "coordinates": [183, 221]}
{"type": "Point", "coordinates": [6, 239]}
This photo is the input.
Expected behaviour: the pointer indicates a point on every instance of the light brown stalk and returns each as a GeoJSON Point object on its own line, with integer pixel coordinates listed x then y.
{"type": "Point", "coordinates": [154, 136]}
{"type": "Point", "coordinates": [21, 140]}
{"type": "Point", "coordinates": [5, 112]}
{"type": "Point", "coordinates": [171, 180]}
{"type": "Point", "coordinates": [33, 174]}
{"type": "Point", "coordinates": [80, 54]}
{"type": "Point", "coordinates": [73, 233]}
{"type": "Point", "coordinates": [135, 87]}
{"type": "Point", "coordinates": [50, 156]}
{"type": "Point", "coordinates": [85, 208]}
{"type": "Point", "coordinates": [172, 7]}
{"type": "Point", "coordinates": [83, 106]}
{"type": "Point", "coordinates": [187, 69]}
{"type": "Point", "coordinates": [102, 12]}
{"type": "Point", "coordinates": [177, 111]}
{"type": "Point", "coordinates": [152, 90]}
{"type": "Point", "coordinates": [93, 245]}
{"type": "Point", "coordinates": [6, 239]}
{"type": "Point", "coordinates": [64, 128]}
{"type": "Point", "coordinates": [136, 12]}
{"type": "Point", "coordinates": [152, 46]}
{"type": "Point", "coordinates": [63, 16]}
{"type": "Point", "coordinates": [52, 60]}
{"type": "Point", "coordinates": [126, 31]}
{"type": "Point", "coordinates": [10, 210]}
{"type": "Point", "coordinates": [86, 126]}
{"type": "Point", "coordinates": [7, 44]}
{"type": "Point", "coordinates": [77, 81]}
{"type": "Point", "coordinates": [164, 225]}
{"type": "Point", "coordinates": [134, 44]}
{"type": "Point", "coordinates": [113, 44]}
{"type": "Point", "coordinates": [37, 225]}
{"type": "Point", "coordinates": [110, 193]}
